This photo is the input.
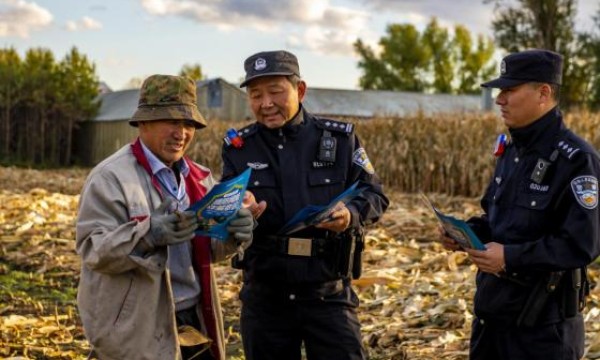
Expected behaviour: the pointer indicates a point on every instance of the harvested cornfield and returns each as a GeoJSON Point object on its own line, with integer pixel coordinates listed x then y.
{"type": "Point", "coordinates": [416, 298]}
{"type": "Point", "coordinates": [448, 153]}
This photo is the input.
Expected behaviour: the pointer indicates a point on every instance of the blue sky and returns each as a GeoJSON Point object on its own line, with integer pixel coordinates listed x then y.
{"type": "Point", "coordinates": [136, 38]}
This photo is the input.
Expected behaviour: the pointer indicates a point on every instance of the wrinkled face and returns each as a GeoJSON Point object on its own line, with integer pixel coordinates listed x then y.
{"type": "Point", "coordinates": [167, 139]}
{"type": "Point", "coordinates": [522, 104]}
{"type": "Point", "coordinates": [274, 99]}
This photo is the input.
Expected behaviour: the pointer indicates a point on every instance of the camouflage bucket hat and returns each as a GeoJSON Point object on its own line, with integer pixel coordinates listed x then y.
{"type": "Point", "coordinates": [166, 97]}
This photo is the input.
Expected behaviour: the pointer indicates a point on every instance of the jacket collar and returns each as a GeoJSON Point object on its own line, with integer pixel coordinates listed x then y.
{"type": "Point", "coordinates": [541, 134]}
{"type": "Point", "coordinates": [192, 178]}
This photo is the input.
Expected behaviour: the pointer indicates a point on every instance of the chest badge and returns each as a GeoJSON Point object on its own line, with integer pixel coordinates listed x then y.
{"type": "Point", "coordinates": [585, 189]}
{"type": "Point", "coordinates": [257, 165]}
{"type": "Point", "coordinates": [540, 170]}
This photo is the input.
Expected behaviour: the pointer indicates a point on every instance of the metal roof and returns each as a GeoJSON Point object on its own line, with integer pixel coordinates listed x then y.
{"type": "Point", "coordinates": [120, 105]}
{"type": "Point", "coordinates": [378, 103]}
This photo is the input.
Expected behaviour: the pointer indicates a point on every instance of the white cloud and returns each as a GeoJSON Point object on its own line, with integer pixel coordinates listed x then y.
{"type": "Point", "coordinates": [86, 23]}
{"type": "Point", "coordinates": [310, 24]}
{"type": "Point", "coordinates": [19, 18]}
{"type": "Point", "coordinates": [474, 14]}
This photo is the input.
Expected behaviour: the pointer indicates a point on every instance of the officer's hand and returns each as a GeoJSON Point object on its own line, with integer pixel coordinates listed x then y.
{"type": "Point", "coordinates": [447, 242]}
{"type": "Point", "coordinates": [171, 229]}
{"type": "Point", "coordinates": [241, 227]}
{"type": "Point", "coordinates": [249, 202]}
{"type": "Point", "coordinates": [338, 220]}
{"type": "Point", "coordinates": [490, 260]}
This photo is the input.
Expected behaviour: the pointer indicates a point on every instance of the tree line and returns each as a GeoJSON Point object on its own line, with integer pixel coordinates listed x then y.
{"type": "Point", "coordinates": [42, 100]}
{"type": "Point", "coordinates": [437, 61]}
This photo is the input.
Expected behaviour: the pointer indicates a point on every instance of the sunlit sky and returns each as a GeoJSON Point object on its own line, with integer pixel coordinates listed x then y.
{"type": "Point", "coordinates": [128, 39]}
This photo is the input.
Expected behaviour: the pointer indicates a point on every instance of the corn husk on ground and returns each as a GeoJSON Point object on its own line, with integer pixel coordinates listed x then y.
{"type": "Point", "coordinates": [416, 298]}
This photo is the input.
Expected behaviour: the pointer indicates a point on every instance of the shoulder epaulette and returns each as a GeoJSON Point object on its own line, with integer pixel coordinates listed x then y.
{"type": "Point", "coordinates": [335, 125]}
{"type": "Point", "coordinates": [247, 130]}
{"type": "Point", "coordinates": [567, 149]}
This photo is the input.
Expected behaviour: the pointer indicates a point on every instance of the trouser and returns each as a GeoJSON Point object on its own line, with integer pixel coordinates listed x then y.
{"type": "Point", "coordinates": [190, 317]}
{"type": "Point", "coordinates": [274, 328]}
{"type": "Point", "coordinates": [562, 340]}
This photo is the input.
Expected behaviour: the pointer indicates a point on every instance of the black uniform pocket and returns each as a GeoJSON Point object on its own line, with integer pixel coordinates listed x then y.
{"type": "Point", "coordinates": [325, 185]}
{"type": "Point", "coordinates": [531, 216]}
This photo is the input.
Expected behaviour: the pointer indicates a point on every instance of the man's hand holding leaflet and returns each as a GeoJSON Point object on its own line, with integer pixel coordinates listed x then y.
{"type": "Point", "coordinates": [312, 215]}
{"type": "Point", "coordinates": [456, 229]}
{"type": "Point", "coordinates": [220, 206]}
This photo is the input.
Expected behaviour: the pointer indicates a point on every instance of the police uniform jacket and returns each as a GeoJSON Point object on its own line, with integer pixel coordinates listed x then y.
{"type": "Point", "coordinates": [542, 205]}
{"type": "Point", "coordinates": [288, 175]}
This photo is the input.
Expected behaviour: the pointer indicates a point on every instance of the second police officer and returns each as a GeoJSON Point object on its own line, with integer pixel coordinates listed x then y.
{"type": "Point", "coordinates": [296, 288]}
{"type": "Point", "coordinates": [540, 223]}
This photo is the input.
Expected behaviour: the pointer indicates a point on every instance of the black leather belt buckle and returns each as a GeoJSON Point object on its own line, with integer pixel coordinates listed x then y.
{"type": "Point", "coordinates": [299, 247]}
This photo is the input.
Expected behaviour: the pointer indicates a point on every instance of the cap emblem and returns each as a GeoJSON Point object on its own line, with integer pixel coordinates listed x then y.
{"type": "Point", "coordinates": [503, 67]}
{"type": "Point", "coordinates": [260, 64]}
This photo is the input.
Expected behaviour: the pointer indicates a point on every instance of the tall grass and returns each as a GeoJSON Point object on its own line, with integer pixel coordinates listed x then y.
{"type": "Point", "coordinates": [445, 153]}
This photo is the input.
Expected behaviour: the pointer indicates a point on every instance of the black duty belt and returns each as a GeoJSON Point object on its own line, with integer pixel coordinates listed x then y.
{"type": "Point", "coordinates": [294, 246]}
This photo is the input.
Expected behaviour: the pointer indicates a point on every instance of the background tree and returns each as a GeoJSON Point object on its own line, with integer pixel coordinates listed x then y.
{"type": "Point", "coordinates": [474, 64]}
{"type": "Point", "coordinates": [438, 42]}
{"type": "Point", "coordinates": [79, 90]}
{"type": "Point", "coordinates": [591, 42]}
{"type": "Point", "coordinates": [41, 102]}
{"type": "Point", "coordinates": [11, 81]}
{"type": "Point", "coordinates": [193, 71]}
{"type": "Point", "coordinates": [402, 63]}
{"type": "Point", "coordinates": [548, 24]}
{"type": "Point", "coordinates": [39, 88]}
{"type": "Point", "coordinates": [432, 61]}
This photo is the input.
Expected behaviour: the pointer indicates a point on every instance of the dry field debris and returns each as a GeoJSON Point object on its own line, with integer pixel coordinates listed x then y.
{"type": "Point", "coordinates": [416, 298]}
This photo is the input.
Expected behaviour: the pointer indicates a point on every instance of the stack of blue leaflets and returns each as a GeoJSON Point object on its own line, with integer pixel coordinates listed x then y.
{"type": "Point", "coordinates": [315, 214]}
{"type": "Point", "coordinates": [217, 208]}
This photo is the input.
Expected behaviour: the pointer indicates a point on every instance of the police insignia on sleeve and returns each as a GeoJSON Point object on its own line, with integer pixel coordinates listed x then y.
{"type": "Point", "coordinates": [360, 158]}
{"type": "Point", "coordinates": [585, 189]}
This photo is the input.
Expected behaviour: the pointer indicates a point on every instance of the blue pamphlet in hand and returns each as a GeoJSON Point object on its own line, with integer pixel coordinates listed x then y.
{"type": "Point", "coordinates": [455, 228]}
{"type": "Point", "coordinates": [216, 209]}
{"type": "Point", "coordinates": [315, 214]}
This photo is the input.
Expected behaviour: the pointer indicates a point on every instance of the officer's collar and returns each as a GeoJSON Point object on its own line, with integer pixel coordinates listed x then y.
{"type": "Point", "coordinates": [540, 134]}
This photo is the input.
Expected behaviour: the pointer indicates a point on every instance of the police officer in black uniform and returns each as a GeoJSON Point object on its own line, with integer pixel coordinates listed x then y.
{"type": "Point", "coordinates": [297, 287]}
{"type": "Point", "coordinates": [540, 223]}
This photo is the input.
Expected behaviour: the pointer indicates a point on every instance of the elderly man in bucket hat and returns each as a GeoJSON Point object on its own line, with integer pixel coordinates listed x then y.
{"type": "Point", "coordinates": [540, 222]}
{"type": "Point", "coordinates": [147, 289]}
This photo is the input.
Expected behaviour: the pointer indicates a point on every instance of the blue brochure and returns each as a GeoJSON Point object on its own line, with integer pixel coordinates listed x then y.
{"type": "Point", "coordinates": [216, 209]}
{"type": "Point", "coordinates": [455, 228]}
{"type": "Point", "coordinates": [315, 214]}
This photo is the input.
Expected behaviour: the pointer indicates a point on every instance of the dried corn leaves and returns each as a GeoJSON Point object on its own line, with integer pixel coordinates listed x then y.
{"type": "Point", "coordinates": [416, 298]}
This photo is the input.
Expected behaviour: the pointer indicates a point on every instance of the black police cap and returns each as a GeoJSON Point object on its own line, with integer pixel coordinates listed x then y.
{"type": "Point", "coordinates": [270, 63]}
{"type": "Point", "coordinates": [542, 66]}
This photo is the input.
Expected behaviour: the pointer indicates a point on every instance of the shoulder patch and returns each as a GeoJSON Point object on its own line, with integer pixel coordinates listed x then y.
{"type": "Point", "coordinates": [334, 125]}
{"type": "Point", "coordinates": [567, 149]}
{"type": "Point", "coordinates": [585, 189]}
{"type": "Point", "coordinates": [360, 158]}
